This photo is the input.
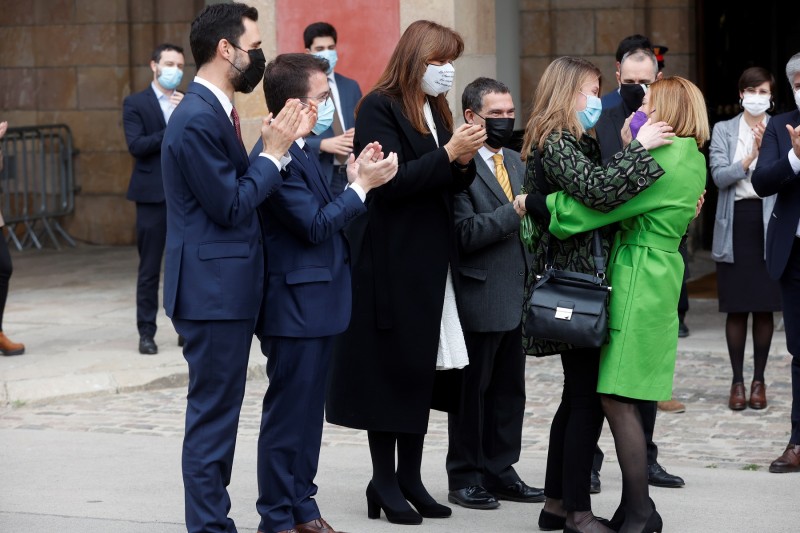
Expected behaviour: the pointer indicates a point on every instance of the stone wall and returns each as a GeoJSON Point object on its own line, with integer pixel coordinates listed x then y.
{"type": "Point", "coordinates": [73, 62]}
{"type": "Point", "coordinates": [593, 28]}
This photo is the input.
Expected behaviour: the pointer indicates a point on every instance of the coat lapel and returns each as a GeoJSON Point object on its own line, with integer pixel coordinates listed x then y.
{"type": "Point", "coordinates": [156, 107]}
{"type": "Point", "coordinates": [311, 169]}
{"type": "Point", "coordinates": [224, 120]}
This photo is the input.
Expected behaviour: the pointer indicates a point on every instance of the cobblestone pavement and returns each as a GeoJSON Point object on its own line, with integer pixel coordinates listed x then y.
{"type": "Point", "coordinates": [708, 434]}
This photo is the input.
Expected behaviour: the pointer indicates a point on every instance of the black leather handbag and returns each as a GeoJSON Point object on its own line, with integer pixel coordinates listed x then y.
{"type": "Point", "coordinates": [569, 307]}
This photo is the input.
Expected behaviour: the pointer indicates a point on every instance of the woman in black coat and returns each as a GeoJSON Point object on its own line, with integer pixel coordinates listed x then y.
{"type": "Point", "coordinates": [383, 369]}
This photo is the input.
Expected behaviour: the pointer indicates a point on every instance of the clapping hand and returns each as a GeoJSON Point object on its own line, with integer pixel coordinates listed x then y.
{"type": "Point", "coordinates": [371, 169]}
{"type": "Point", "coordinates": [294, 121]}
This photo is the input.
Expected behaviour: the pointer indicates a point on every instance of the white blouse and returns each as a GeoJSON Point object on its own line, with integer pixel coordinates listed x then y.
{"type": "Point", "coordinates": [744, 188]}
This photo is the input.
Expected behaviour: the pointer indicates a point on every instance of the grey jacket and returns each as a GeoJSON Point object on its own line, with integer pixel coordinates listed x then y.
{"type": "Point", "coordinates": [726, 172]}
{"type": "Point", "coordinates": [493, 262]}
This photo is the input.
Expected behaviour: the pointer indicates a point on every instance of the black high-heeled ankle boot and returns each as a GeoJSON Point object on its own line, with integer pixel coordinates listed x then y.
{"type": "Point", "coordinates": [375, 503]}
{"type": "Point", "coordinates": [430, 509]}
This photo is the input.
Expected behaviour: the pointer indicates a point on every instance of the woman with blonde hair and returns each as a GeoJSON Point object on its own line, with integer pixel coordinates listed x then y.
{"type": "Point", "coordinates": [565, 108]}
{"type": "Point", "coordinates": [404, 316]}
{"type": "Point", "coordinates": [645, 271]}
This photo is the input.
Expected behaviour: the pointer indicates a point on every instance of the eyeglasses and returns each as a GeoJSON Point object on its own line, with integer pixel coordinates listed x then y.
{"type": "Point", "coordinates": [760, 92]}
{"type": "Point", "coordinates": [320, 100]}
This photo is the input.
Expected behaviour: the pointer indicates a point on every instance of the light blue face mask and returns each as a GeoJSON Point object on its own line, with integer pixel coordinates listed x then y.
{"type": "Point", "coordinates": [324, 116]}
{"type": "Point", "coordinates": [590, 115]}
{"type": "Point", "coordinates": [330, 56]}
{"type": "Point", "coordinates": [170, 77]}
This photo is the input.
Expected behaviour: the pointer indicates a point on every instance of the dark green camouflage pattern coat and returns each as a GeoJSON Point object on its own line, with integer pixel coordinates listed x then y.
{"type": "Point", "coordinates": [575, 167]}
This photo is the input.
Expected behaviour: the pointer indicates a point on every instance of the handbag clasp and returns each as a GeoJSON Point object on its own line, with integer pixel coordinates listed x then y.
{"type": "Point", "coordinates": [563, 313]}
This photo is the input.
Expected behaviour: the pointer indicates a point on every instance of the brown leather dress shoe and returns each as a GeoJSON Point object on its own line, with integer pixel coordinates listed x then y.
{"type": "Point", "coordinates": [788, 462]}
{"type": "Point", "coordinates": [315, 526]}
{"type": "Point", "coordinates": [9, 347]}
{"type": "Point", "coordinates": [758, 395]}
{"type": "Point", "coordinates": [738, 400]}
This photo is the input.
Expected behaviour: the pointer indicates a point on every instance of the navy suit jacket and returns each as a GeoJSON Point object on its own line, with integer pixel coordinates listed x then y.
{"type": "Point", "coordinates": [214, 266]}
{"type": "Point", "coordinates": [349, 95]}
{"type": "Point", "coordinates": [308, 290]}
{"type": "Point", "coordinates": [144, 125]}
{"type": "Point", "coordinates": [774, 175]}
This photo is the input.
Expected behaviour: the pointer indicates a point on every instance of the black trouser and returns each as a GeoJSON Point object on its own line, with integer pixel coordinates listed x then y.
{"type": "Point", "coordinates": [485, 435]}
{"type": "Point", "coordinates": [151, 235]}
{"type": "Point", "coordinates": [790, 295]}
{"type": "Point", "coordinates": [5, 274]}
{"type": "Point", "coordinates": [647, 410]}
{"type": "Point", "coordinates": [574, 431]}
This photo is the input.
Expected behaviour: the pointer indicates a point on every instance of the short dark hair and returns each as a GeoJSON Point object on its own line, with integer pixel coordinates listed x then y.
{"type": "Point", "coordinates": [216, 22]}
{"type": "Point", "coordinates": [632, 42]}
{"type": "Point", "coordinates": [472, 97]}
{"type": "Point", "coordinates": [164, 47]}
{"type": "Point", "coordinates": [287, 77]}
{"type": "Point", "coordinates": [318, 29]}
{"type": "Point", "coordinates": [755, 76]}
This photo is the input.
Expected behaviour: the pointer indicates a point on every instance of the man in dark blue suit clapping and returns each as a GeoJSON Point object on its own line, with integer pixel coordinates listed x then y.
{"type": "Point", "coordinates": [307, 299]}
{"type": "Point", "coordinates": [214, 273]}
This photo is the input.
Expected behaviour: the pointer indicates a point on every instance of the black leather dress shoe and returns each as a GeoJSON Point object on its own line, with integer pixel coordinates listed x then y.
{"type": "Point", "coordinates": [658, 477]}
{"type": "Point", "coordinates": [518, 492]}
{"type": "Point", "coordinates": [147, 346]}
{"type": "Point", "coordinates": [683, 329]}
{"type": "Point", "coordinates": [595, 486]}
{"type": "Point", "coordinates": [475, 497]}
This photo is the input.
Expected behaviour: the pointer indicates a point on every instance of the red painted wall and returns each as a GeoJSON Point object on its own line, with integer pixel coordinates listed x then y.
{"type": "Point", "coordinates": [368, 31]}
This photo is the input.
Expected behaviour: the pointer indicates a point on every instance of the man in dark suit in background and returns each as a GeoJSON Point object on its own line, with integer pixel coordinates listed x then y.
{"type": "Point", "coordinates": [778, 172]}
{"type": "Point", "coordinates": [307, 299]}
{"type": "Point", "coordinates": [214, 273]}
{"type": "Point", "coordinates": [637, 70]}
{"type": "Point", "coordinates": [336, 143]}
{"type": "Point", "coordinates": [485, 434]}
{"type": "Point", "coordinates": [144, 118]}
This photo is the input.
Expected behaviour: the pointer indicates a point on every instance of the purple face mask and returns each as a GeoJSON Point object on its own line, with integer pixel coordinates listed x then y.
{"type": "Point", "coordinates": [638, 120]}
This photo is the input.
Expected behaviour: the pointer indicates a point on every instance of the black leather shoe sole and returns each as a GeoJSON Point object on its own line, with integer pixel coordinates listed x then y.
{"type": "Point", "coordinates": [473, 504]}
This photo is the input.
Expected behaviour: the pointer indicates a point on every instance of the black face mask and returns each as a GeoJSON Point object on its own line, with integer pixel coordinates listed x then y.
{"type": "Point", "coordinates": [248, 78]}
{"type": "Point", "coordinates": [632, 95]}
{"type": "Point", "coordinates": [498, 131]}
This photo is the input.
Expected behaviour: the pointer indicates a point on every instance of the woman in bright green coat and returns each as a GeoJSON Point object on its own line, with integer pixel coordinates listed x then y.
{"type": "Point", "coordinates": [645, 273]}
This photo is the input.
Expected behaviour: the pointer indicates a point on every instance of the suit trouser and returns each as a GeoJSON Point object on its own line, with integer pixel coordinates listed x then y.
{"type": "Point", "coordinates": [291, 430]}
{"type": "Point", "coordinates": [790, 295]}
{"type": "Point", "coordinates": [151, 235]}
{"type": "Point", "coordinates": [485, 435]}
{"type": "Point", "coordinates": [574, 431]}
{"type": "Point", "coordinates": [647, 410]}
{"type": "Point", "coordinates": [217, 352]}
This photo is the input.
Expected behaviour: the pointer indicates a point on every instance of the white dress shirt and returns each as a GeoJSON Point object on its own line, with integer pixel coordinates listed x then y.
{"type": "Point", "coordinates": [167, 107]}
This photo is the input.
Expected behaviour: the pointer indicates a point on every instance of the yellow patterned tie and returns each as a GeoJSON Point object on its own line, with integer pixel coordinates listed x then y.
{"type": "Point", "coordinates": [502, 176]}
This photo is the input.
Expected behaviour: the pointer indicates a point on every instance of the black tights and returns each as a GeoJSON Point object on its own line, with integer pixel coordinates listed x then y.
{"type": "Point", "coordinates": [5, 274]}
{"type": "Point", "coordinates": [736, 335]}
{"type": "Point", "coordinates": [626, 426]}
{"type": "Point", "coordinates": [385, 479]}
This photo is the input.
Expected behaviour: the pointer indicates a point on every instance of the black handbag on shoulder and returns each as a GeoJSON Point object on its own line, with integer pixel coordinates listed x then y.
{"type": "Point", "coordinates": [569, 307]}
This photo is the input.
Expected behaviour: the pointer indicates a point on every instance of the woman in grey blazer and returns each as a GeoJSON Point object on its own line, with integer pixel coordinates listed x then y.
{"type": "Point", "coordinates": [739, 235]}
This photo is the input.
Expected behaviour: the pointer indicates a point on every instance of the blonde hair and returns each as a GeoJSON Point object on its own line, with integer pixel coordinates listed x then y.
{"type": "Point", "coordinates": [554, 101]}
{"type": "Point", "coordinates": [679, 103]}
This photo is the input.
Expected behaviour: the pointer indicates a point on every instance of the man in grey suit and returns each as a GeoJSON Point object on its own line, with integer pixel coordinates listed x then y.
{"type": "Point", "coordinates": [486, 432]}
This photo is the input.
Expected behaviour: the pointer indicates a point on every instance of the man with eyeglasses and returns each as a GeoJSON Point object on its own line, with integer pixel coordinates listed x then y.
{"type": "Point", "coordinates": [637, 70]}
{"type": "Point", "coordinates": [307, 298]}
{"type": "Point", "coordinates": [214, 267]}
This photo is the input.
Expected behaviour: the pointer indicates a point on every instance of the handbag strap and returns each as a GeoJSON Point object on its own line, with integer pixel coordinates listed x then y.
{"type": "Point", "coordinates": [597, 244]}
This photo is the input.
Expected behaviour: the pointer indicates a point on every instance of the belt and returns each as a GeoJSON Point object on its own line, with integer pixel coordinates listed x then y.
{"type": "Point", "coordinates": [650, 240]}
{"type": "Point", "coordinates": [340, 169]}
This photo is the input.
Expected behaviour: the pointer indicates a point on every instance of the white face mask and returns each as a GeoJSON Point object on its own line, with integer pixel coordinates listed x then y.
{"type": "Point", "coordinates": [755, 104]}
{"type": "Point", "coordinates": [438, 79]}
{"type": "Point", "coordinates": [797, 98]}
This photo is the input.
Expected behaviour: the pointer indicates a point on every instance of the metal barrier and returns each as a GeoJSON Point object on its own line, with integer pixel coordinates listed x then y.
{"type": "Point", "coordinates": [37, 183]}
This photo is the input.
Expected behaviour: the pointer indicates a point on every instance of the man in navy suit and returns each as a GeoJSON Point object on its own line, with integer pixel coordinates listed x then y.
{"type": "Point", "coordinates": [214, 273]}
{"type": "Point", "coordinates": [307, 299]}
{"type": "Point", "coordinates": [334, 144]}
{"type": "Point", "coordinates": [778, 172]}
{"type": "Point", "coordinates": [144, 118]}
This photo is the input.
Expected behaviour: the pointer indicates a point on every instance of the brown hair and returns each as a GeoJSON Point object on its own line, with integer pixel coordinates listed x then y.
{"type": "Point", "coordinates": [679, 103]}
{"type": "Point", "coordinates": [755, 76]}
{"type": "Point", "coordinates": [554, 101]}
{"type": "Point", "coordinates": [422, 42]}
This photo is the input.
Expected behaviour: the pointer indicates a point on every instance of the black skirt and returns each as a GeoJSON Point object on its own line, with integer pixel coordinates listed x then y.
{"type": "Point", "coordinates": [744, 285]}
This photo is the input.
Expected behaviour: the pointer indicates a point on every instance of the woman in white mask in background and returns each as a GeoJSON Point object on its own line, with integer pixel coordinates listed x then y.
{"type": "Point", "coordinates": [404, 322]}
{"type": "Point", "coordinates": [744, 286]}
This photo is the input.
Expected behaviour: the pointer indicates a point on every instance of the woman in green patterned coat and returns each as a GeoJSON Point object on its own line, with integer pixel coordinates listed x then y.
{"type": "Point", "coordinates": [645, 272]}
{"type": "Point", "coordinates": [565, 106]}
